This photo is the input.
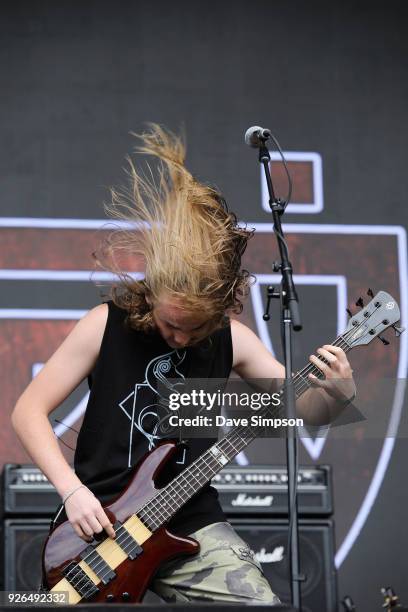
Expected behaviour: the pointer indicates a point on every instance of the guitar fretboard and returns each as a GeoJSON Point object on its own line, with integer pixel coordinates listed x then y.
{"type": "Point", "coordinates": [164, 505]}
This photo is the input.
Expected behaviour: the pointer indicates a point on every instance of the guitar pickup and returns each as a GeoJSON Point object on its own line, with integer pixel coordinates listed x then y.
{"type": "Point", "coordinates": [79, 580]}
{"type": "Point", "coordinates": [97, 564]}
{"type": "Point", "coordinates": [126, 542]}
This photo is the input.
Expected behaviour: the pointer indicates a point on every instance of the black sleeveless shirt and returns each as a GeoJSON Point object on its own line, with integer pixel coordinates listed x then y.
{"type": "Point", "coordinates": [120, 422]}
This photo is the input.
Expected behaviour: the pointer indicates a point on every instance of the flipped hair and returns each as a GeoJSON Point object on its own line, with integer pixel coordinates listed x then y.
{"type": "Point", "coordinates": [189, 242]}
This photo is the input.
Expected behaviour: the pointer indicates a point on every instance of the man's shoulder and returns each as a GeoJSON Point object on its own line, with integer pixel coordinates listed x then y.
{"type": "Point", "coordinates": [95, 319]}
{"type": "Point", "coordinates": [241, 335]}
{"type": "Point", "coordinates": [99, 313]}
{"type": "Point", "coordinates": [240, 330]}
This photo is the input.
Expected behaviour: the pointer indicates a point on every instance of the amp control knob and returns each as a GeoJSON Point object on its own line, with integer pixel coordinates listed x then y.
{"type": "Point", "coordinates": [110, 597]}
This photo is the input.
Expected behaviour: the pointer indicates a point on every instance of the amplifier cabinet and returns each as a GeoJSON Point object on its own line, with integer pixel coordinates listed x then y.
{"type": "Point", "coordinates": [26, 491]}
{"type": "Point", "coordinates": [257, 490]}
{"type": "Point", "coordinates": [262, 490]}
{"type": "Point", "coordinates": [268, 538]}
{"type": "Point", "coordinates": [24, 539]}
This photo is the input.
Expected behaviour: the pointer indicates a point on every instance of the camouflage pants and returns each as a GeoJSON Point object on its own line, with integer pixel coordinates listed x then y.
{"type": "Point", "coordinates": [225, 570]}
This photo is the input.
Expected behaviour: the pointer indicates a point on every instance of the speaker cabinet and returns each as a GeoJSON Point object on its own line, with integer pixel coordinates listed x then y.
{"type": "Point", "coordinates": [268, 538]}
{"type": "Point", "coordinates": [23, 541]}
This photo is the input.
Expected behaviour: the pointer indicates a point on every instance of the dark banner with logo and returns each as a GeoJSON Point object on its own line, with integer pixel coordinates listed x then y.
{"type": "Point", "coordinates": [329, 80]}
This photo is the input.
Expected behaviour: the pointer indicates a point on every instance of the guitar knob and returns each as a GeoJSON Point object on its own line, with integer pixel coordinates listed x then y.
{"type": "Point", "coordinates": [110, 598]}
{"type": "Point", "coordinates": [126, 596]}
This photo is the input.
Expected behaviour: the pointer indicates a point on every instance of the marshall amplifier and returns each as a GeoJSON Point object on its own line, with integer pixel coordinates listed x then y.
{"type": "Point", "coordinates": [23, 542]}
{"type": "Point", "coordinates": [27, 492]}
{"type": "Point", "coordinates": [260, 490]}
{"type": "Point", "coordinates": [24, 539]}
{"type": "Point", "coordinates": [263, 490]}
{"type": "Point", "coordinates": [268, 538]}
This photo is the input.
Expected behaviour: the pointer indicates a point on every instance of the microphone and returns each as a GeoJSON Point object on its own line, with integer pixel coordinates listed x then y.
{"type": "Point", "coordinates": [256, 136]}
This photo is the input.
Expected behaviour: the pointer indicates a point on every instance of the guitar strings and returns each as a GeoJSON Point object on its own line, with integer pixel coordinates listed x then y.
{"type": "Point", "coordinates": [145, 511]}
{"type": "Point", "coordinates": [341, 341]}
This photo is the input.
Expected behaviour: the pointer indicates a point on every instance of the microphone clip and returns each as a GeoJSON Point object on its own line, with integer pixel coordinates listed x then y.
{"type": "Point", "coordinates": [279, 205]}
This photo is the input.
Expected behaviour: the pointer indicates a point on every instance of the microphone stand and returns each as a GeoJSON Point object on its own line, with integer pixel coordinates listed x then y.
{"type": "Point", "coordinates": [290, 317]}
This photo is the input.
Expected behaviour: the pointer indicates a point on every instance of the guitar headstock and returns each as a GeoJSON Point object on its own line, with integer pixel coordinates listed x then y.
{"type": "Point", "coordinates": [391, 600]}
{"type": "Point", "coordinates": [379, 314]}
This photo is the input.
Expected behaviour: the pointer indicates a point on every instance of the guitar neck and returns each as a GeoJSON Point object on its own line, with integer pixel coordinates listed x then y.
{"type": "Point", "coordinates": [181, 489]}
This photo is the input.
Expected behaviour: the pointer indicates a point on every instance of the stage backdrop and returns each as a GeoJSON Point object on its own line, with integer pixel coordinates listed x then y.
{"type": "Point", "coordinates": [330, 80]}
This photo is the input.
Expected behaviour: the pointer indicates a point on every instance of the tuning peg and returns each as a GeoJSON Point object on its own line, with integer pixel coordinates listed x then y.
{"type": "Point", "coordinates": [370, 293]}
{"type": "Point", "coordinates": [350, 314]}
{"type": "Point", "coordinates": [391, 600]}
{"type": "Point", "coordinates": [360, 302]}
{"type": "Point", "coordinates": [398, 330]}
{"type": "Point", "coordinates": [383, 340]}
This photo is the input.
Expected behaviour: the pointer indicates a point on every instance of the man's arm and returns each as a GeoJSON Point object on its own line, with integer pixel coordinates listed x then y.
{"type": "Point", "coordinates": [62, 373]}
{"type": "Point", "coordinates": [321, 403]}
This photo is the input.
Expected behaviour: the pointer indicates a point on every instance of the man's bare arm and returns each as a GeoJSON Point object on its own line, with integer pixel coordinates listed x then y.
{"type": "Point", "coordinates": [62, 373]}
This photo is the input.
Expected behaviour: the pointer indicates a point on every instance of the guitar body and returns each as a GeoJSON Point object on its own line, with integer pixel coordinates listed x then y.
{"type": "Point", "coordinates": [132, 576]}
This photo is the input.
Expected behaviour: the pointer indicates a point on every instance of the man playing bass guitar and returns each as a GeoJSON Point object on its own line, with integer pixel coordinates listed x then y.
{"type": "Point", "coordinates": [172, 324]}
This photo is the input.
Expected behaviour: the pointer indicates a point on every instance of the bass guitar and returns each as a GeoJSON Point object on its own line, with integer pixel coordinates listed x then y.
{"type": "Point", "coordinates": [120, 570]}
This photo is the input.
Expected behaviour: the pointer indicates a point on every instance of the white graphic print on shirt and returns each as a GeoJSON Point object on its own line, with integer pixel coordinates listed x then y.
{"type": "Point", "coordinates": [148, 417]}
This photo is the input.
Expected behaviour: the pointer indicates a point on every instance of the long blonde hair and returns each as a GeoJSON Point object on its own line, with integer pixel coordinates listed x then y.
{"type": "Point", "coordinates": [190, 243]}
